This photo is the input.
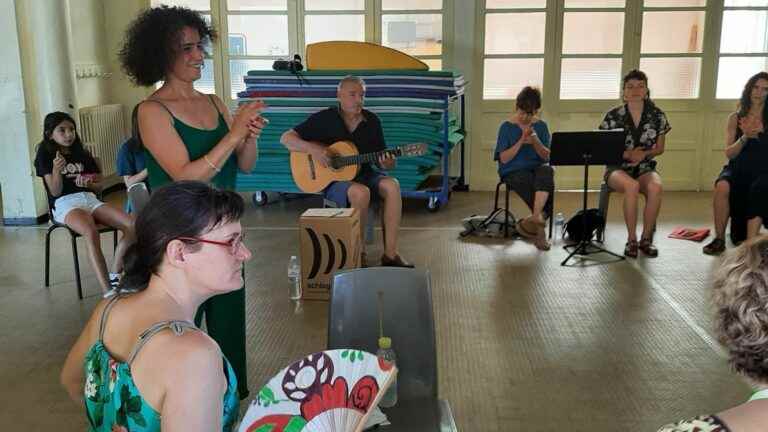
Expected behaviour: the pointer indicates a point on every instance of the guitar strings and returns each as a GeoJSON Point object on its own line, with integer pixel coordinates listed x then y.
{"type": "Point", "coordinates": [363, 158]}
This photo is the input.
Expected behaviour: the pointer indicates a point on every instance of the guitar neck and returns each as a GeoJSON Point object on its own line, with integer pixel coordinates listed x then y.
{"type": "Point", "coordinates": [360, 159]}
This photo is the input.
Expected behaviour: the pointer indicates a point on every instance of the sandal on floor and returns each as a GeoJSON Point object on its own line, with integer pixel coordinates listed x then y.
{"type": "Point", "coordinates": [648, 248]}
{"type": "Point", "coordinates": [715, 247]}
{"type": "Point", "coordinates": [630, 250]}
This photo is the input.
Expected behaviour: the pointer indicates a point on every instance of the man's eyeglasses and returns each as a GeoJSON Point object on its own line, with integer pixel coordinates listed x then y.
{"type": "Point", "coordinates": [233, 245]}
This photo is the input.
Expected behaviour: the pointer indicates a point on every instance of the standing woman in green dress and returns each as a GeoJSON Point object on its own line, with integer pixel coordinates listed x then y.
{"type": "Point", "coordinates": [189, 135]}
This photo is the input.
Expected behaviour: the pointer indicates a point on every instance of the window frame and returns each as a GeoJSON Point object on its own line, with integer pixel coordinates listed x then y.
{"type": "Point", "coordinates": [224, 85]}
{"type": "Point", "coordinates": [631, 54]}
{"type": "Point", "coordinates": [379, 29]}
{"type": "Point", "coordinates": [700, 55]}
{"type": "Point", "coordinates": [366, 12]}
{"type": "Point", "coordinates": [554, 18]}
{"type": "Point", "coordinates": [627, 41]}
{"type": "Point", "coordinates": [719, 55]}
{"type": "Point", "coordinates": [296, 13]}
{"type": "Point", "coordinates": [484, 12]}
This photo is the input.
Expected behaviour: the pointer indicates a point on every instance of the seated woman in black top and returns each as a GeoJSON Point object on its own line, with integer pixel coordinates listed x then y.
{"type": "Point", "coordinates": [349, 121]}
{"type": "Point", "coordinates": [750, 174]}
{"type": "Point", "coordinates": [69, 175]}
{"type": "Point", "coordinates": [646, 127]}
{"type": "Point", "coordinates": [741, 142]}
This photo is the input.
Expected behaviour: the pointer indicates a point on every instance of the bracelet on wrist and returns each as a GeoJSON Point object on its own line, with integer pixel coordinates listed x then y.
{"type": "Point", "coordinates": [210, 164]}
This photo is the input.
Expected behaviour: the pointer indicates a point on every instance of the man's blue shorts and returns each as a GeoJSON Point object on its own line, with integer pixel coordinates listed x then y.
{"type": "Point", "coordinates": [337, 191]}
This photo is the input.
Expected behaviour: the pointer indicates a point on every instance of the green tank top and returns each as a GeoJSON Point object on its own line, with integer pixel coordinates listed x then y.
{"type": "Point", "coordinates": [112, 400]}
{"type": "Point", "coordinates": [198, 143]}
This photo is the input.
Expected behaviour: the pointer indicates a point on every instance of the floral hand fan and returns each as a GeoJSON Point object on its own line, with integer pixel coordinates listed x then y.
{"type": "Point", "coordinates": [326, 391]}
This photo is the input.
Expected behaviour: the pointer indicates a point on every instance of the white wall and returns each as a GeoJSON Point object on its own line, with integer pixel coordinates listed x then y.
{"type": "Point", "coordinates": [116, 16]}
{"type": "Point", "coordinates": [16, 181]}
{"type": "Point", "coordinates": [88, 49]}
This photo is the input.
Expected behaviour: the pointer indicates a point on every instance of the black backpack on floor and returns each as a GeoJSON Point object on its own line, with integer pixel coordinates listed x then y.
{"type": "Point", "coordinates": [574, 228]}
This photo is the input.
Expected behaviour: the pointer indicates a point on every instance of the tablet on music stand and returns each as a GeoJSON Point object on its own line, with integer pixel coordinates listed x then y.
{"type": "Point", "coordinates": [587, 148]}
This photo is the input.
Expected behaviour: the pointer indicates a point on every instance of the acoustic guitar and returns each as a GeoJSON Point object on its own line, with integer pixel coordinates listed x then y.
{"type": "Point", "coordinates": [311, 176]}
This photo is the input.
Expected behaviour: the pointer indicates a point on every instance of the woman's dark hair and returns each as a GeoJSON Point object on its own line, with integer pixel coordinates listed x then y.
{"type": "Point", "coordinates": [637, 75]}
{"type": "Point", "coordinates": [152, 42]}
{"type": "Point", "coordinates": [49, 124]}
{"type": "Point", "coordinates": [745, 103]}
{"type": "Point", "coordinates": [529, 99]}
{"type": "Point", "coordinates": [181, 209]}
{"type": "Point", "coordinates": [135, 144]}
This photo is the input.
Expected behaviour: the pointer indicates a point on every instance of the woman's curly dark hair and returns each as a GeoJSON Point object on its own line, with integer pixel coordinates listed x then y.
{"type": "Point", "coordinates": [740, 299]}
{"type": "Point", "coordinates": [152, 42]}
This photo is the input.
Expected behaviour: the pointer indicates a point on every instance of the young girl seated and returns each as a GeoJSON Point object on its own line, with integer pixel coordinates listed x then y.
{"type": "Point", "coordinates": [70, 175]}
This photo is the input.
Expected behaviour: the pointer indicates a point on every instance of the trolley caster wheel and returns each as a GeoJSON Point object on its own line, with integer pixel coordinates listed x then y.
{"type": "Point", "coordinates": [433, 204]}
{"type": "Point", "coordinates": [259, 198]}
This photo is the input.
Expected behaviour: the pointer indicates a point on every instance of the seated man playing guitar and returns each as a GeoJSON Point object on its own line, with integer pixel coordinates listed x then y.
{"type": "Point", "coordinates": [349, 121]}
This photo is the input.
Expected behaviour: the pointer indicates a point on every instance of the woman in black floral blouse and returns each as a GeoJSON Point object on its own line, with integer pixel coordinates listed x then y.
{"type": "Point", "coordinates": [646, 127]}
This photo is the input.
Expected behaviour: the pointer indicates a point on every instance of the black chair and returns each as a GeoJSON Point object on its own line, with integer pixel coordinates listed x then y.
{"type": "Point", "coordinates": [506, 207]}
{"type": "Point", "coordinates": [73, 240]}
{"type": "Point", "coordinates": [408, 319]}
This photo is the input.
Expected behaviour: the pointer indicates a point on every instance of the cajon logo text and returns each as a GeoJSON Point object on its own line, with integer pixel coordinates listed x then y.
{"type": "Point", "coordinates": [330, 246]}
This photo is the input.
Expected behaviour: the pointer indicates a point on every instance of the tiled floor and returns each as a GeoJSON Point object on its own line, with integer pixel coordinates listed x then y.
{"type": "Point", "coordinates": [524, 344]}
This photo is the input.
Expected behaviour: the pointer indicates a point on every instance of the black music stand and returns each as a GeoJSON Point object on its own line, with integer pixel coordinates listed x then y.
{"type": "Point", "coordinates": [587, 148]}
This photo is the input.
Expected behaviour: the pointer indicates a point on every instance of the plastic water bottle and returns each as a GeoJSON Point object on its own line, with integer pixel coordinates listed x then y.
{"type": "Point", "coordinates": [559, 224]}
{"type": "Point", "coordinates": [294, 277]}
{"type": "Point", "coordinates": [386, 353]}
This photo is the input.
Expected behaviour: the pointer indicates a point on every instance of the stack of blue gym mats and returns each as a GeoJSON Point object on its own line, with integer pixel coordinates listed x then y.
{"type": "Point", "coordinates": [409, 103]}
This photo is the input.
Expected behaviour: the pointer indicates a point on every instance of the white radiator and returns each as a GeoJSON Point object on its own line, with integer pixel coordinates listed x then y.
{"type": "Point", "coordinates": [103, 130]}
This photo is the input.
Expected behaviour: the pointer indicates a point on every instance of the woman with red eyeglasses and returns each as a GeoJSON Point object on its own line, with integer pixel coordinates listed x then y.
{"type": "Point", "coordinates": [141, 364]}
